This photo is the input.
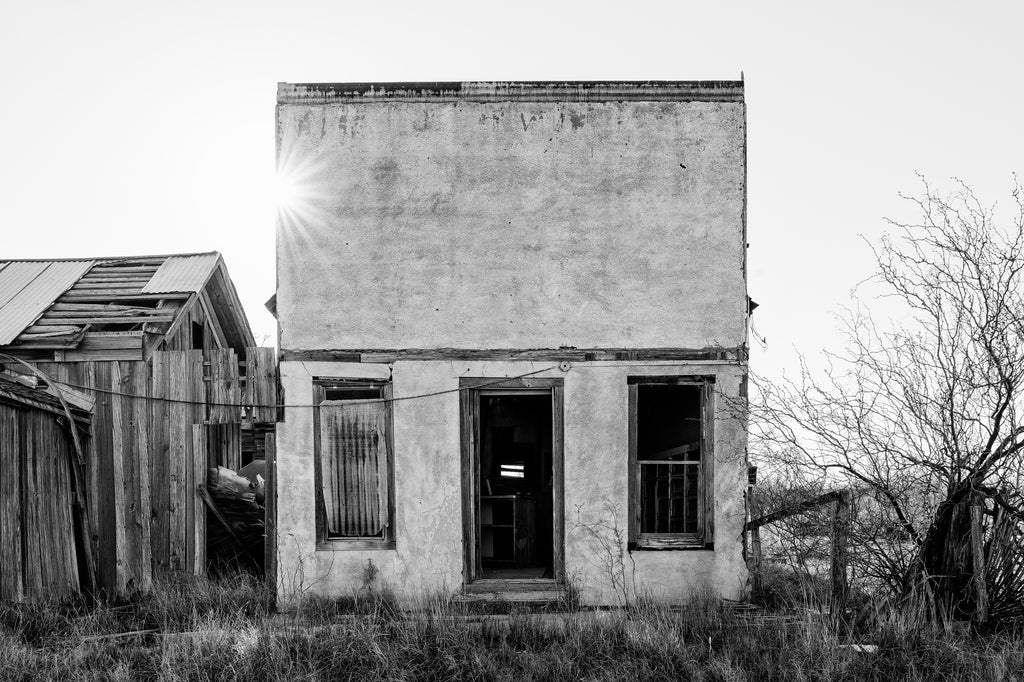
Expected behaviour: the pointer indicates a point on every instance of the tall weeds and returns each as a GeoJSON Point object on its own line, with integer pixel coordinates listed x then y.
{"type": "Point", "coordinates": [203, 630]}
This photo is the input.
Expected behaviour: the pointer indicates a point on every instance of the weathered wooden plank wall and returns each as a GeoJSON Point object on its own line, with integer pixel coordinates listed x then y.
{"type": "Point", "coordinates": [11, 584]}
{"type": "Point", "coordinates": [261, 383]}
{"type": "Point", "coordinates": [39, 557]}
{"type": "Point", "coordinates": [224, 445]}
{"type": "Point", "coordinates": [142, 471]}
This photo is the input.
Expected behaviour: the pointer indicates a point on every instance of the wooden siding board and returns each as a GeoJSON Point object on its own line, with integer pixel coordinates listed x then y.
{"type": "Point", "coordinates": [261, 383]}
{"type": "Point", "coordinates": [199, 457]}
{"type": "Point", "coordinates": [159, 434]}
{"type": "Point", "coordinates": [197, 467]}
{"type": "Point", "coordinates": [180, 438]}
{"type": "Point", "coordinates": [119, 453]}
{"type": "Point", "coordinates": [63, 536]}
{"type": "Point", "coordinates": [32, 575]}
{"type": "Point", "coordinates": [11, 437]}
{"type": "Point", "coordinates": [224, 387]}
{"type": "Point", "coordinates": [45, 457]}
{"type": "Point", "coordinates": [104, 529]}
{"type": "Point", "coordinates": [142, 516]}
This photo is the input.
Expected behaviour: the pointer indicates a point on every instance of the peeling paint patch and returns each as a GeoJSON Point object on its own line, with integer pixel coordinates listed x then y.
{"type": "Point", "coordinates": [303, 126]}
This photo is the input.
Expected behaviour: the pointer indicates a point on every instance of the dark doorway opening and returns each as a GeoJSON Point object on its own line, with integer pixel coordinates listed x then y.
{"type": "Point", "coordinates": [515, 530]}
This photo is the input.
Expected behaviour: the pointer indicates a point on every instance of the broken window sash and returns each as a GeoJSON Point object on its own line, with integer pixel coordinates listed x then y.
{"type": "Point", "coordinates": [669, 497]}
{"type": "Point", "coordinates": [354, 467]}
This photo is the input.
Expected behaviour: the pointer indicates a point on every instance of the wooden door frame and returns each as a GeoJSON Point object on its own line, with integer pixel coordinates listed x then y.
{"type": "Point", "coordinates": [469, 414]}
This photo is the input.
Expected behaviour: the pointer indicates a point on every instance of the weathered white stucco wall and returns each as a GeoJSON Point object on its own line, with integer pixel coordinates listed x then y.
{"type": "Point", "coordinates": [512, 225]}
{"type": "Point", "coordinates": [428, 557]}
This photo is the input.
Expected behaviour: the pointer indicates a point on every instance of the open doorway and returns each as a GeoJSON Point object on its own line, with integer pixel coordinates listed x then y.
{"type": "Point", "coordinates": [516, 483]}
{"type": "Point", "coordinates": [512, 475]}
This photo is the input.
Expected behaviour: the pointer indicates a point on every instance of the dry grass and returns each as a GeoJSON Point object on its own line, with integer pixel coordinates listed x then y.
{"type": "Point", "coordinates": [199, 630]}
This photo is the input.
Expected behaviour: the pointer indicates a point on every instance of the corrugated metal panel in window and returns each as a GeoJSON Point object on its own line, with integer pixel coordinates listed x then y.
{"type": "Point", "coordinates": [355, 460]}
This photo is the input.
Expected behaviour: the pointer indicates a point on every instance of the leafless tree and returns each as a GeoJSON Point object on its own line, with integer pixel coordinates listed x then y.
{"type": "Point", "coordinates": [923, 412]}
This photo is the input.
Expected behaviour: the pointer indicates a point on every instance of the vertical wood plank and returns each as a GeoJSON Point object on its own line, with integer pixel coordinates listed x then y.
{"type": "Point", "coordinates": [224, 387]}
{"type": "Point", "coordinates": [41, 527]}
{"type": "Point", "coordinates": [178, 418]}
{"type": "Point", "coordinates": [103, 440]}
{"type": "Point", "coordinates": [261, 383]}
{"type": "Point", "coordinates": [60, 502]}
{"type": "Point", "coordinates": [11, 446]}
{"type": "Point", "coordinates": [83, 512]}
{"type": "Point", "coordinates": [128, 510]}
{"type": "Point", "coordinates": [181, 389]}
{"type": "Point", "coordinates": [64, 573]}
{"type": "Point", "coordinates": [558, 462]}
{"type": "Point", "coordinates": [68, 462]}
{"type": "Point", "coordinates": [116, 489]}
{"type": "Point", "coordinates": [196, 468]}
{"type": "Point", "coordinates": [32, 575]}
{"type": "Point", "coordinates": [144, 505]}
{"type": "Point", "coordinates": [199, 458]}
{"type": "Point", "coordinates": [159, 462]}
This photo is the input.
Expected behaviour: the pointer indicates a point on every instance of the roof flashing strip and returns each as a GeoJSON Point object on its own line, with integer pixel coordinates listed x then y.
{"type": "Point", "coordinates": [512, 91]}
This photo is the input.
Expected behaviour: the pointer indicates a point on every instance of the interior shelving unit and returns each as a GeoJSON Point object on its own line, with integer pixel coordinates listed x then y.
{"type": "Point", "coordinates": [507, 530]}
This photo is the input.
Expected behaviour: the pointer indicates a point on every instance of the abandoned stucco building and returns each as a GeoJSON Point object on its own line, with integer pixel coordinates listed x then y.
{"type": "Point", "coordinates": [513, 337]}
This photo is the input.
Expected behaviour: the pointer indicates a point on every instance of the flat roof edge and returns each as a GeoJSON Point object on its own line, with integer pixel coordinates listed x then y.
{"type": "Point", "coordinates": [512, 91]}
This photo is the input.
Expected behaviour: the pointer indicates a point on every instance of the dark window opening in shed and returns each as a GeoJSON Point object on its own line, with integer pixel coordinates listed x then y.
{"type": "Point", "coordinates": [197, 336]}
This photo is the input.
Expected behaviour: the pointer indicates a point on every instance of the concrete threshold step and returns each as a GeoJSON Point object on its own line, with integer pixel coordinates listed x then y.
{"type": "Point", "coordinates": [525, 591]}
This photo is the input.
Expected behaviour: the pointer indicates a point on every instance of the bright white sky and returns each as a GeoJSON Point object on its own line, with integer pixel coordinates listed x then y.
{"type": "Point", "coordinates": [136, 127]}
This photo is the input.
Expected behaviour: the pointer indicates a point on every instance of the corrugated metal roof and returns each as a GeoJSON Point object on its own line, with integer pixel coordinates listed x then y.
{"type": "Point", "coordinates": [14, 277]}
{"type": "Point", "coordinates": [182, 273]}
{"type": "Point", "coordinates": [37, 291]}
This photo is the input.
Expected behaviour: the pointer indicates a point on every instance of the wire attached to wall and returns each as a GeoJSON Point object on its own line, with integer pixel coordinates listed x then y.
{"type": "Point", "coordinates": [243, 406]}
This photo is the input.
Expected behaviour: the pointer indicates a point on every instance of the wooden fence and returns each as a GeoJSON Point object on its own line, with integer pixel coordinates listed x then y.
{"type": "Point", "coordinates": [142, 475]}
{"type": "Point", "coordinates": [839, 532]}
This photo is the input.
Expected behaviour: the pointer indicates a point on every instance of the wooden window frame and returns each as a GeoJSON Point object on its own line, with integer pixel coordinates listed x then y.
{"type": "Point", "coordinates": [704, 539]}
{"type": "Point", "coordinates": [323, 542]}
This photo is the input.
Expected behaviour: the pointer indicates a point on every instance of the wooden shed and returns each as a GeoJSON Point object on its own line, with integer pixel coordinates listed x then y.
{"type": "Point", "coordinates": [162, 345]}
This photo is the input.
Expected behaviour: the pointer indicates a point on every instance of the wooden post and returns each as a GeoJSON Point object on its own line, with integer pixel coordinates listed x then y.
{"type": "Point", "coordinates": [978, 559]}
{"type": "Point", "coordinates": [199, 455]}
{"type": "Point", "coordinates": [754, 557]}
{"type": "Point", "coordinates": [840, 530]}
